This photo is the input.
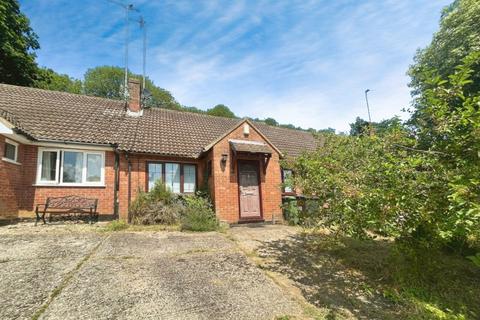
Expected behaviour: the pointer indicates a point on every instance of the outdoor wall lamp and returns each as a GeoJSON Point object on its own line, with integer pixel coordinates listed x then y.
{"type": "Point", "coordinates": [224, 157]}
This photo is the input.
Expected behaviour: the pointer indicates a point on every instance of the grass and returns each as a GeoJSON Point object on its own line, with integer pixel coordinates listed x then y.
{"type": "Point", "coordinates": [376, 278]}
{"type": "Point", "coordinates": [120, 225]}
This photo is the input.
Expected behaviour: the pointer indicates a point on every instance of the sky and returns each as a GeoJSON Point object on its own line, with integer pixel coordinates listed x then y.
{"type": "Point", "coordinates": [302, 62]}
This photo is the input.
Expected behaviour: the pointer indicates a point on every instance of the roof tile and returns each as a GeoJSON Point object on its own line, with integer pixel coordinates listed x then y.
{"type": "Point", "coordinates": [59, 116]}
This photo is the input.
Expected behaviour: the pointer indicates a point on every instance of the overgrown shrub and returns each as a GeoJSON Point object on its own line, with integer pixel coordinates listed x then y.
{"type": "Point", "coordinates": [199, 214]}
{"type": "Point", "coordinates": [159, 206]}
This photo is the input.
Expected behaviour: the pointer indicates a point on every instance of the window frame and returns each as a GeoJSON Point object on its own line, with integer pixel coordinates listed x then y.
{"type": "Point", "coordinates": [292, 190]}
{"type": "Point", "coordinates": [182, 177]}
{"type": "Point", "coordinates": [15, 144]}
{"type": "Point", "coordinates": [59, 168]}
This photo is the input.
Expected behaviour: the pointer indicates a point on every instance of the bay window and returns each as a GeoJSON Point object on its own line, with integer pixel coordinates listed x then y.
{"type": "Point", "coordinates": [178, 177]}
{"type": "Point", "coordinates": [70, 167]}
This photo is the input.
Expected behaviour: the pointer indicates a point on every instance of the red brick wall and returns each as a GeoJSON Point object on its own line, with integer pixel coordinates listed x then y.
{"type": "Point", "coordinates": [38, 194]}
{"type": "Point", "coordinates": [11, 176]}
{"type": "Point", "coordinates": [225, 184]}
{"type": "Point", "coordinates": [33, 195]}
{"type": "Point", "coordinates": [19, 195]}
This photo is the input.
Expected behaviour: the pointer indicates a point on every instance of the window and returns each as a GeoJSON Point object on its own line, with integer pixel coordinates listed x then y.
{"type": "Point", "coordinates": [189, 178]}
{"type": "Point", "coordinates": [172, 176]}
{"type": "Point", "coordinates": [179, 178]}
{"type": "Point", "coordinates": [155, 173]}
{"type": "Point", "coordinates": [94, 167]}
{"type": "Point", "coordinates": [70, 167]}
{"type": "Point", "coordinates": [287, 180]}
{"type": "Point", "coordinates": [49, 166]}
{"type": "Point", "coordinates": [10, 151]}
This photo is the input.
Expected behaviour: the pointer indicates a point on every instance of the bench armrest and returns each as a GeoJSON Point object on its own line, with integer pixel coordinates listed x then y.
{"type": "Point", "coordinates": [40, 205]}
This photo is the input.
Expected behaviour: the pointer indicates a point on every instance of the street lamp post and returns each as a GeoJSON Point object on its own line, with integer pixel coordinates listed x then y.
{"type": "Point", "coordinates": [368, 110]}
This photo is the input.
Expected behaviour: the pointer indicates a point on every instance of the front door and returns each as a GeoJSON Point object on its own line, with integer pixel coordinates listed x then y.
{"type": "Point", "coordinates": [249, 189]}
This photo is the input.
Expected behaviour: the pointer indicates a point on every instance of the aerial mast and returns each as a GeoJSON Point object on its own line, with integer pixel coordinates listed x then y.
{"type": "Point", "coordinates": [128, 8]}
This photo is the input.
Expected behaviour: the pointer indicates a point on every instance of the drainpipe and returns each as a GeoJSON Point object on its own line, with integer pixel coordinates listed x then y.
{"type": "Point", "coordinates": [129, 183]}
{"type": "Point", "coordinates": [116, 184]}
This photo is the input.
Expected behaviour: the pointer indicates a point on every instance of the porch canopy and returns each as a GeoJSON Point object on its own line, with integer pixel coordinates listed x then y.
{"type": "Point", "coordinates": [252, 147]}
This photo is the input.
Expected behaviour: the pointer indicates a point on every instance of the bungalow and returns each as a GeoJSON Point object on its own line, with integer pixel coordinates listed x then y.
{"type": "Point", "coordinates": [58, 144]}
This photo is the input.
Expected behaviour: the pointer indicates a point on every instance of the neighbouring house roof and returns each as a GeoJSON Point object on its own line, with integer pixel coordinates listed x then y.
{"type": "Point", "coordinates": [64, 117]}
{"type": "Point", "coordinates": [250, 146]}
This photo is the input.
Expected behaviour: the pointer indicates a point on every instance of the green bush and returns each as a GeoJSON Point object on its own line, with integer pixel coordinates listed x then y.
{"type": "Point", "coordinates": [291, 211]}
{"type": "Point", "coordinates": [199, 214]}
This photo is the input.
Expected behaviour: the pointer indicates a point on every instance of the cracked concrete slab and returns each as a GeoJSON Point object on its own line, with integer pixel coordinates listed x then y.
{"type": "Point", "coordinates": [135, 275]}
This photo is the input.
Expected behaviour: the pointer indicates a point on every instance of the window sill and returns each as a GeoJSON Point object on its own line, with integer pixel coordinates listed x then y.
{"type": "Point", "coordinates": [11, 161]}
{"type": "Point", "coordinates": [69, 185]}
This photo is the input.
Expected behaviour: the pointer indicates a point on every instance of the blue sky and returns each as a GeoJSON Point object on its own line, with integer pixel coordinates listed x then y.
{"type": "Point", "coordinates": [301, 62]}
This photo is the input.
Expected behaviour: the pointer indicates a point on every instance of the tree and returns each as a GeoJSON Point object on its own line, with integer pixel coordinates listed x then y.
{"type": "Point", "coordinates": [271, 122]}
{"type": "Point", "coordinates": [50, 80]}
{"type": "Point", "coordinates": [362, 127]}
{"type": "Point", "coordinates": [108, 82]}
{"type": "Point", "coordinates": [324, 131]}
{"type": "Point", "coordinates": [17, 45]}
{"type": "Point", "coordinates": [104, 81]}
{"type": "Point", "coordinates": [387, 184]}
{"type": "Point", "coordinates": [458, 36]}
{"type": "Point", "coordinates": [359, 127]}
{"type": "Point", "coordinates": [221, 110]}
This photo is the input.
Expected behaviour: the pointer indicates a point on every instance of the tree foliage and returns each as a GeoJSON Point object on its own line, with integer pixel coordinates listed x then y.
{"type": "Point", "coordinates": [387, 184]}
{"type": "Point", "coordinates": [362, 127]}
{"type": "Point", "coordinates": [457, 37]}
{"type": "Point", "coordinates": [221, 110]}
{"type": "Point", "coordinates": [17, 45]}
{"type": "Point", "coordinates": [108, 82]}
{"type": "Point", "coordinates": [50, 80]}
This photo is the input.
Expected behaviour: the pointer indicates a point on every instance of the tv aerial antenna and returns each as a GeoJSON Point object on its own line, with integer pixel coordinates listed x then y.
{"type": "Point", "coordinates": [142, 23]}
{"type": "Point", "coordinates": [127, 8]}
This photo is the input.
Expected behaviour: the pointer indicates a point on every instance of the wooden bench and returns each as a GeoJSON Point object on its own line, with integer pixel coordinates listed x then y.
{"type": "Point", "coordinates": [70, 206]}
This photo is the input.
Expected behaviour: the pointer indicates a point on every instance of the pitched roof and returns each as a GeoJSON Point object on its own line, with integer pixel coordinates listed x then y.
{"type": "Point", "coordinates": [64, 117]}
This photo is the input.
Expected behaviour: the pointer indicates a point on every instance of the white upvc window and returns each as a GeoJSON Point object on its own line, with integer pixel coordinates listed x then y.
{"type": "Point", "coordinates": [68, 167]}
{"type": "Point", "coordinates": [10, 153]}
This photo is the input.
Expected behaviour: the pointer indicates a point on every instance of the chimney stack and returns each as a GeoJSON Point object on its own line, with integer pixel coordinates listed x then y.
{"type": "Point", "coordinates": [134, 95]}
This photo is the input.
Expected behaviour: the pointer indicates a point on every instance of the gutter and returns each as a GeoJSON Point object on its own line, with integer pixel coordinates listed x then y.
{"type": "Point", "coordinates": [77, 143]}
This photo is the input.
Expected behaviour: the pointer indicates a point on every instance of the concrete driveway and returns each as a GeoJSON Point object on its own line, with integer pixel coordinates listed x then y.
{"type": "Point", "coordinates": [75, 272]}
